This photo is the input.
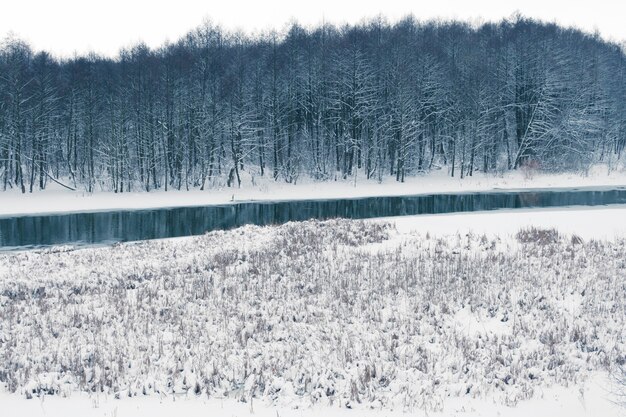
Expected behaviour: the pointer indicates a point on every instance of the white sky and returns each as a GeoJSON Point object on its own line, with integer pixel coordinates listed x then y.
{"type": "Point", "coordinates": [104, 26]}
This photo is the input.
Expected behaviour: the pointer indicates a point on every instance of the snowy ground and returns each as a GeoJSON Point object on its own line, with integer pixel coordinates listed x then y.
{"type": "Point", "coordinates": [324, 316]}
{"type": "Point", "coordinates": [598, 222]}
{"type": "Point", "coordinates": [57, 199]}
{"type": "Point", "coordinates": [591, 399]}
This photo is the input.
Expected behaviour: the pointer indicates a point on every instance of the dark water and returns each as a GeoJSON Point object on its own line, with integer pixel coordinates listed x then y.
{"type": "Point", "coordinates": [117, 226]}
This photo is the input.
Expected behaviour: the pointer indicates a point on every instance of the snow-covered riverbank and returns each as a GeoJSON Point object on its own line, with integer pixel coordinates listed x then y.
{"type": "Point", "coordinates": [60, 200]}
{"type": "Point", "coordinates": [330, 315]}
{"type": "Point", "coordinates": [598, 222]}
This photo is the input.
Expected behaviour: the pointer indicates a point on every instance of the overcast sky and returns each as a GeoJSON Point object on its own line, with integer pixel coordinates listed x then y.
{"type": "Point", "coordinates": [104, 26]}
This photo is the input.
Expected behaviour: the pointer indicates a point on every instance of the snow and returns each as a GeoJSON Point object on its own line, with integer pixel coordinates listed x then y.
{"type": "Point", "coordinates": [470, 323]}
{"type": "Point", "coordinates": [591, 400]}
{"type": "Point", "coordinates": [59, 200]}
{"type": "Point", "coordinates": [599, 222]}
{"type": "Point", "coordinates": [313, 318]}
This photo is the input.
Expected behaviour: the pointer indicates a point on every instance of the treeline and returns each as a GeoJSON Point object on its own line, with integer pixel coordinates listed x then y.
{"type": "Point", "coordinates": [370, 100]}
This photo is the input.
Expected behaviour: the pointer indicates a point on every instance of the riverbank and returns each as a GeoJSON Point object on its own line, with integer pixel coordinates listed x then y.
{"type": "Point", "coordinates": [597, 222]}
{"type": "Point", "coordinates": [59, 200]}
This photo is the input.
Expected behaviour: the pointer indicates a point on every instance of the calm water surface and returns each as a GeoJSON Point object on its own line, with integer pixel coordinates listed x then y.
{"type": "Point", "coordinates": [91, 228]}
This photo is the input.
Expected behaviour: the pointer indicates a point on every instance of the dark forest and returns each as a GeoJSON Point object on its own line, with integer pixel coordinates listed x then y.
{"type": "Point", "coordinates": [365, 101]}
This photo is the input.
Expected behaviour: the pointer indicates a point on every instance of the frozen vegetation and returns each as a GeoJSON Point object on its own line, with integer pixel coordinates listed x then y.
{"type": "Point", "coordinates": [345, 313]}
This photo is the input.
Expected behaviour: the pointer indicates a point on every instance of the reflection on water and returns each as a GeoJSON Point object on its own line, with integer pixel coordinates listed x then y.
{"type": "Point", "coordinates": [118, 226]}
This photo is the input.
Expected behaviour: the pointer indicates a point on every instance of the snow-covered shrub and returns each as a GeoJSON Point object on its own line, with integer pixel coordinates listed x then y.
{"type": "Point", "coordinates": [538, 236]}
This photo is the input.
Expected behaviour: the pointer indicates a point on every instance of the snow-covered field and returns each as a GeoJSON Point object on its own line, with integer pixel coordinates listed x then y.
{"type": "Point", "coordinates": [321, 318]}
{"type": "Point", "coordinates": [59, 200]}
